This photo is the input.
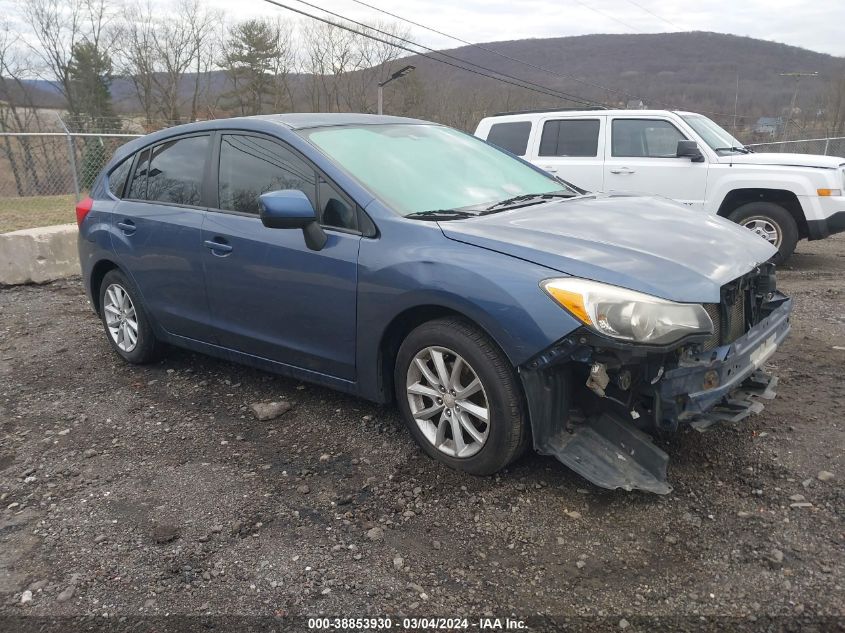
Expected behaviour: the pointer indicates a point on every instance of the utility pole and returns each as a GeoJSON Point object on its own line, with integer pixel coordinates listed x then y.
{"type": "Point", "coordinates": [397, 75]}
{"type": "Point", "coordinates": [736, 98]}
{"type": "Point", "coordinates": [797, 77]}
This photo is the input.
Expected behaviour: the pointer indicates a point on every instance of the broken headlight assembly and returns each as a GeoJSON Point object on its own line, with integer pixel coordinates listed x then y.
{"type": "Point", "coordinates": [626, 314]}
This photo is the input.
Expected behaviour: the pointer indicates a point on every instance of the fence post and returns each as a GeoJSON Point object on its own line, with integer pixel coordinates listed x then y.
{"type": "Point", "coordinates": [826, 145]}
{"type": "Point", "coordinates": [71, 156]}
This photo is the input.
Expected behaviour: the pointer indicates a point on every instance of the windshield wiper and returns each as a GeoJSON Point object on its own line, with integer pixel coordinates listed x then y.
{"type": "Point", "coordinates": [529, 196]}
{"type": "Point", "coordinates": [741, 150]}
{"type": "Point", "coordinates": [441, 214]}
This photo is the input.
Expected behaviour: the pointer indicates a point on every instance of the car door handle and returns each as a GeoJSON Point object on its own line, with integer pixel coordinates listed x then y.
{"type": "Point", "coordinates": [218, 248]}
{"type": "Point", "coordinates": [622, 170]}
{"type": "Point", "coordinates": [127, 226]}
{"type": "Point", "coordinates": [551, 170]}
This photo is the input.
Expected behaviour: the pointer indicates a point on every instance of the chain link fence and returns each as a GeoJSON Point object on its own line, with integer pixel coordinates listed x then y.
{"type": "Point", "coordinates": [831, 146]}
{"type": "Point", "coordinates": [44, 174]}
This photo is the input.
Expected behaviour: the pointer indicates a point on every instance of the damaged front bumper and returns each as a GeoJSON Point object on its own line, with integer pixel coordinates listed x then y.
{"type": "Point", "coordinates": [724, 384]}
{"type": "Point", "coordinates": [593, 401]}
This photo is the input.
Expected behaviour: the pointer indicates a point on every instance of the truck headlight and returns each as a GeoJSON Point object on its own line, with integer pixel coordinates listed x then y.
{"type": "Point", "coordinates": [626, 314]}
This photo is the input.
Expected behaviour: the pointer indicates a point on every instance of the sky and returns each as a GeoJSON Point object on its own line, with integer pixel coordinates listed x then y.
{"type": "Point", "coordinates": [813, 24]}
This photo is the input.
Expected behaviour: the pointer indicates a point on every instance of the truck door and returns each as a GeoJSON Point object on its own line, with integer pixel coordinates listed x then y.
{"type": "Point", "coordinates": [572, 149]}
{"type": "Point", "coordinates": [641, 158]}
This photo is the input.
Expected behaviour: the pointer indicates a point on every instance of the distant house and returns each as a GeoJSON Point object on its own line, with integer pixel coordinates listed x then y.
{"type": "Point", "coordinates": [769, 126]}
{"type": "Point", "coordinates": [635, 104]}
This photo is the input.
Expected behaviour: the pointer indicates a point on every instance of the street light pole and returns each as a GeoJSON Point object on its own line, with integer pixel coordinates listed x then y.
{"type": "Point", "coordinates": [397, 75]}
{"type": "Point", "coordinates": [797, 77]}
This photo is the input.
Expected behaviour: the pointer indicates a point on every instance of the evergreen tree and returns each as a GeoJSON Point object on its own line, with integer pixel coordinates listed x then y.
{"type": "Point", "coordinates": [251, 56]}
{"type": "Point", "coordinates": [90, 72]}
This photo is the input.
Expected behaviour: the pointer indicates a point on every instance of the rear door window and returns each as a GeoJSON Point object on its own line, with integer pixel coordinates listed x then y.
{"type": "Point", "coordinates": [512, 136]}
{"type": "Point", "coordinates": [251, 165]}
{"type": "Point", "coordinates": [645, 138]}
{"type": "Point", "coordinates": [176, 170]}
{"type": "Point", "coordinates": [570, 138]}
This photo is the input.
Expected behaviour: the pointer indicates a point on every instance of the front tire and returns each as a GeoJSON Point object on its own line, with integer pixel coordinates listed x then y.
{"type": "Point", "coordinates": [127, 325]}
{"type": "Point", "coordinates": [771, 222]}
{"type": "Point", "coordinates": [459, 397]}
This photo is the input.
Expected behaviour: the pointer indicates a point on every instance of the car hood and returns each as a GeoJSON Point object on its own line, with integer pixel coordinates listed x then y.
{"type": "Point", "coordinates": [652, 245]}
{"type": "Point", "coordinates": [785, 160]}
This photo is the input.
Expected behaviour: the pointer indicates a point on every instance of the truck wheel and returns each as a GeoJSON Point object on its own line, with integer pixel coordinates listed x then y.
{"type": "Point", "coordinates": [771, 222]}
{"type": "Point", "coordinates": [459, 397]}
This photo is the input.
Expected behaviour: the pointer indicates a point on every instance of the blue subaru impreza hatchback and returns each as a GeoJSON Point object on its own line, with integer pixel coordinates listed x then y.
{"type": "Point", "coordinates": [400, 260]}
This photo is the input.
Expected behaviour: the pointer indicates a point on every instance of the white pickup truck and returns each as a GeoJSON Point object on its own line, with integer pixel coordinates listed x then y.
{"type": "Point", "coordinates": [686, 157]}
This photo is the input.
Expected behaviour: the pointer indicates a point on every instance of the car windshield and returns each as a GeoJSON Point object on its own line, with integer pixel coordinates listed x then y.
{"type": "Point", "coordinates": [418, 169]}
{"type": "Point", "coordinates": [714, 134]}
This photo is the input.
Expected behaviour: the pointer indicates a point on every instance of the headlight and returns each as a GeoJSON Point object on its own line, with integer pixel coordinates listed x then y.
{"type": "Point", "coordinates": [626, 314]}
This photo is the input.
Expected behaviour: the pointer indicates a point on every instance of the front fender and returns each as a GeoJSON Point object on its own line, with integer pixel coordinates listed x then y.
{"type": "Point", "coordinates": [412, 264]}
{"type": "Point", "coordinates": [725, 178]}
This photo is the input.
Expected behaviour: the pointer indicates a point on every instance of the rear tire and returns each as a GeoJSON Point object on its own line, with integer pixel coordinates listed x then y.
{"type": "Point", "coordinates": [435, 412]}
{"type": "Point", "coordinates": [772, 222]}
{"type": "Point", "coordinates": [128, 327]}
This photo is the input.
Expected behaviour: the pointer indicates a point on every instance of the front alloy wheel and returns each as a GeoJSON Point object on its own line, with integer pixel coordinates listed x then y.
{"type": "Point", "coordinates": [460, 397]}
{"type": "Point", "coordinates": [448, 402]}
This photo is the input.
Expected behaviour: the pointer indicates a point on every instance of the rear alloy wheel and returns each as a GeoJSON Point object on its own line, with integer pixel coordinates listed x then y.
{"type": "Point", "coordinates": [771, 222]}
{"type": "Point", "coordinates": [127, 325]}
{"type": "Point", "coordinates": [459, 397]}
{"type": "Point", "coordinates": [121, 317]}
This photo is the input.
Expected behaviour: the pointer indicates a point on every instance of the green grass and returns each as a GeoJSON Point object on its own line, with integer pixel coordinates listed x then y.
{"type": "Point", "coordinates": [34, 211]}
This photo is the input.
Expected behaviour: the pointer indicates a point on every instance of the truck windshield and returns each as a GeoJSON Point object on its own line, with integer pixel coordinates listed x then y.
{"type": "Point", "coordinates": [714, 135]}
{"type": "Point", "coordinates": [431, 169]}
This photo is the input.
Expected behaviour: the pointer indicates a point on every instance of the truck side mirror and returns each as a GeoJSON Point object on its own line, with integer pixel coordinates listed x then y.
{"type": "Point", "coordinates": [689, 149]}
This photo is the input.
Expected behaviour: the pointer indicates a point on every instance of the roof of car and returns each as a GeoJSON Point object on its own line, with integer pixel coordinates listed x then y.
{"type": "Point", "coordinates": [300, 120]}
{"type": "Point", "coordinates": [263, 123]}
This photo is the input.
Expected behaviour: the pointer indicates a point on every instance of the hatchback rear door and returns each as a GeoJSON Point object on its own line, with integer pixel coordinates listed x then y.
{"type": "Point", "coordinates": [157, 233]}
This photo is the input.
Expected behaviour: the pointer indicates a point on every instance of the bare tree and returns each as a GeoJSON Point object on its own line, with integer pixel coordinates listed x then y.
{"type": "Point", "coordinates": [346, 64]}
{"type": "Point", "coordinates": [168, 59]}
{"type": "Point", "coordinates": [137, 56]}
{"type": "Point", "coordinates": [59, 26]}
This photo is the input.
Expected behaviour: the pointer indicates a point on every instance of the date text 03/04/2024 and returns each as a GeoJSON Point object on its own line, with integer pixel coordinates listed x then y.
{"type": "Point", "coordinates": [417, 623]}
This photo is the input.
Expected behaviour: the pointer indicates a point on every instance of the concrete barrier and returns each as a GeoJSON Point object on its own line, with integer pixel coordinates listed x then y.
{"type": "Point", "coordinates": [39, 255]}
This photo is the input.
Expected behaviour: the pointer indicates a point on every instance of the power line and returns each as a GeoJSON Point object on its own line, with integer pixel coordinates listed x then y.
{"type": "Point", "coordinates": [607, 15]}
{"type": "Point", "coordinates": [447, 55]}
{"type": "Point", "coordinates": [618, 91]}
{"type": "Point", "coordinates": [531, 86]}
{"type": "Point", "coordinates": [659, 17]}
{"type": "Point", "coordinates": [498, 54]}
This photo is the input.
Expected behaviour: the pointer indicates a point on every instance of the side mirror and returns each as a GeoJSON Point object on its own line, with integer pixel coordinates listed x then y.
{"type": "Point", "coordinates": [291, 209]}
{"type": "Point", "coordinates": [689, 149]}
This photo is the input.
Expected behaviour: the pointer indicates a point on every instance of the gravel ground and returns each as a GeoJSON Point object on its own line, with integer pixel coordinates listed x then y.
{"type": "Point", "coordinates": [154, 491]}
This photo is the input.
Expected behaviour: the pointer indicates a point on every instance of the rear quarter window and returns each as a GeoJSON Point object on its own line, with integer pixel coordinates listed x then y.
{"type": "Point", "coordinates": [117, 177]}
{"type": "Point", "coordinates": [512, 136]}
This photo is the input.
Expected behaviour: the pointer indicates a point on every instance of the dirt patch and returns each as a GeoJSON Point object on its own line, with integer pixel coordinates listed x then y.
{"type": "Point", "coordinates": [152, 491]}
